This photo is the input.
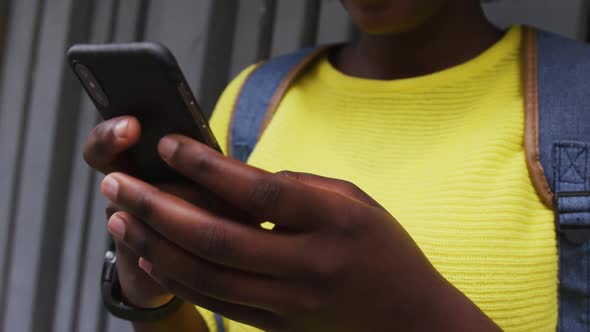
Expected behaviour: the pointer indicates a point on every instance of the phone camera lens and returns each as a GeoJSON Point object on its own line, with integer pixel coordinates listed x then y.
{"type": "Point", "coordinates": [83, 71]}
{"type": "Point", "coordinates": [92, 86]}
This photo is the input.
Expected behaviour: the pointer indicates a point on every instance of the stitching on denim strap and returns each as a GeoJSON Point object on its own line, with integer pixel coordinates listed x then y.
{"type": "Point", "coordinates": [577, 164]}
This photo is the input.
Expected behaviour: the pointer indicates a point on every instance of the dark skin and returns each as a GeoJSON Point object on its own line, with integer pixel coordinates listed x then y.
{"type": "Point", "coordinates": [447, 34]}
{"type": "Point", "coordinates": [336, 260]}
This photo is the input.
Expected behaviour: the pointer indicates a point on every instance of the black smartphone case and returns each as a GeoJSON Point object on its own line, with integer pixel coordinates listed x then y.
{"type": "Point", "coordinates": [144, 80]}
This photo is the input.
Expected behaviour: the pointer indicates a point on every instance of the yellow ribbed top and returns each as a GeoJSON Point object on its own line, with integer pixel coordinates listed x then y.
{"type": "Point", "coordinates": [444, 154]}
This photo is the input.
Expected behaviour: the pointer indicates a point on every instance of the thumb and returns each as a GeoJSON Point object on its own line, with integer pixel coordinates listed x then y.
{"type": "Point", "coordinates": [341, 187]}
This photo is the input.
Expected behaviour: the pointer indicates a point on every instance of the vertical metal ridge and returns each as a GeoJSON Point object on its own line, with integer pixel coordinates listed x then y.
{"type": "Point", "coordinates": [5, 7]}
{"type": "Point", "coordinates": [61, 163]}
{"type": "Point", "coordinates": [15, 191]}
{"type": "Point", "coordinates": [102, 313]}
{"type": "Point", "coordinates": [144, 9]}
{"type": "Point", "coordinates": [83, 249]}
{"type": "Point", "coordinates": [309, 34]}
{"type": "Point", "coordinates": [218, 51]}
{"type": "Point", "coordinates": [112, 26]}
{"type": "Point", "coordinates": [266, 28]}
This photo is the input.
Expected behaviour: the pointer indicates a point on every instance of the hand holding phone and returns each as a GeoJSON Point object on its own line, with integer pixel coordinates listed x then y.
{"type": "Point", "coordinates": [142, 80]}
{"type": "Point", "coordinates": [142, 95]}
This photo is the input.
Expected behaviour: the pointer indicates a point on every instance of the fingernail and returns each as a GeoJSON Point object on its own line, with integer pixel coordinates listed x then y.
{"type": "Point", "coordinates": [121, 128]}
{"type": "Point", "coordinates": [145, 265]}
{"type": "Point", "coordinates": [117, 226]}
{"type": "Point", "coordinates": [167, 147]}
{"type": "Point", "coordinates": [110, 187]}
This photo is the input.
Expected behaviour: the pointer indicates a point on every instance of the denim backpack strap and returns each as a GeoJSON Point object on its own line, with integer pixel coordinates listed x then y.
{"type": "Point", "coordinates": [563, 119]}
{"type": "Point", "coordinates": [257, 102]}
{"type": "Point", "coordinates": [260, 96]}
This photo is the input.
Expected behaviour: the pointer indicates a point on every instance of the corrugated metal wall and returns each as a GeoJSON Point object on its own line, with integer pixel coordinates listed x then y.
{"type": "Point", "coordinates": [52, 220]}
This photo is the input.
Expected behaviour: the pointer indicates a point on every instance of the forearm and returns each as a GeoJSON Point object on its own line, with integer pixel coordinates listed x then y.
{"type": "Point", "coordinates": [187, 318]}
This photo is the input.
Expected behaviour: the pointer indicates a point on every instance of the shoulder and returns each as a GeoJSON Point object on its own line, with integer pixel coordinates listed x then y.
{"type": "Point", "coordinates": [563, 71]}
{"type": "Point", "coordinates": [221, 117]}
{"type": "Point", "coordinates": [556, 50]}
{"type": "Point", "coordinates": [264, 81]}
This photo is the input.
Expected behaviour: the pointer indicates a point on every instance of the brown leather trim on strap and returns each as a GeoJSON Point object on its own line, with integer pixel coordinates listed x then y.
{"type": "Point", "coordinates": [286, 83]}
{"type": "Point", "coordinates": [233, 112]}
{"type": "Point", "coordinates": [531, 97]}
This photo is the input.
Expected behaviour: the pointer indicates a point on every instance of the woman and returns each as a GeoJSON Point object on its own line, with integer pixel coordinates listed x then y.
{"type": "Point", "coordinates": [424, 113]}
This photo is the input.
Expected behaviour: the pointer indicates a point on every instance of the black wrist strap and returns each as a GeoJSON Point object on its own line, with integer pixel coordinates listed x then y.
{"type": "Point", "coordinates": [113, 300]}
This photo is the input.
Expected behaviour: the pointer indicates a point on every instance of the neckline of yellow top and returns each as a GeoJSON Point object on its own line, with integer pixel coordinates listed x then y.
{"type": "Point", "coordinates": [511, 41]}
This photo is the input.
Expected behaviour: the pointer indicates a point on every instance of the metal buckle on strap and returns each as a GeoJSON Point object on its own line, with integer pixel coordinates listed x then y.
{"type": "Point", "coordinates": [576, 233]}
{"type": "Point", "coordinates": [576, 236]}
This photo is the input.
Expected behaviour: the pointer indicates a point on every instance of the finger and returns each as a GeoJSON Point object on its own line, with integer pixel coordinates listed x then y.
{"type": "Point", "coordinates": [108, 140]}
{"type": "Point", "coordinates": [342, 187]}
{"type": "Point", "coordinates": [137, 286]}
{"type": "Point", "coordinates": [204, 277]}
{"type": "Point", "coordinates": [201, 197]}
{"type": "Point", "coordinates": [207, 235]}
{"type": "Point", "coordinates": [134, 278]}
{"type": "Point", "coordinates": [259, 318]}
{"type": "Point", "coordinates": [271, 197]}
{"type": "Point", "coordinates": [125, 256]}
{"type": "Point", "coordinates": [111, 209]}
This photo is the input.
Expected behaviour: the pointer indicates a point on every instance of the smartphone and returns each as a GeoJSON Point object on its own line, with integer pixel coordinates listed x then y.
{"type": "Point", "coordinates": [143, 80]}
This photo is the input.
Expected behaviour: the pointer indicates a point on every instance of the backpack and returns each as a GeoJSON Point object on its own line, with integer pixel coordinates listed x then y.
{"type": "Point", "coordinates": [557, 139]}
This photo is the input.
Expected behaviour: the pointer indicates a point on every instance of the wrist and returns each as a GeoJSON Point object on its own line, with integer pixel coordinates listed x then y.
{"type": "Point", "coordinates": [112, 296]}
{"type": "Point", "coordinates": [145, 302]}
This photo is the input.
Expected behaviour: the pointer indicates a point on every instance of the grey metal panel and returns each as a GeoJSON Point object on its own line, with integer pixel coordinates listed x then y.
{"type": "Point", "coordinates": [81, 188]}
{"type": "Point", "coordinates": [296, 25]}
{"type": "Point", "coordinates": [566, 17]}
{"type": "Point", "coordinates": [4, 15]}
{"type": "Point", "coordinates": [310, 28]}
{"type": "Point", "coordinates": [289, 26]}
{"type": "Point", "coordinates": [216, 64]}
{"type": "Point", "coordinates": [73, 253]}
{"type": "Point", "coordinates": [22, 36]}
{"type": "Point", "coordinates": [91, 315]}
{"type": "Point", "coordinates": [61, 153]}
{"type": "Point", "coordinates": [118, 325]}
{"type": "Point", "coordinates": [247, 35]}
{"type": "Point", "coordinates": [37, 185]}
{"type": "Point", "coordinates": [266, 28]}
{"type": "Point", "coordinates": [129, 15]}
{"type": "Point", "coordinates": [182, 26]}
{"type": "Point", "coordinates": [334, 23]}
{"type": "Point", "coordinates": [75, 241]}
